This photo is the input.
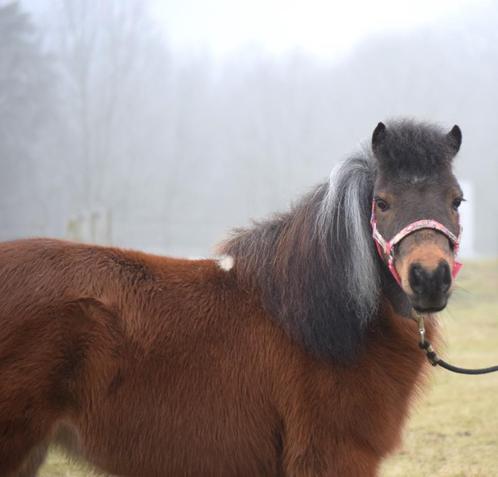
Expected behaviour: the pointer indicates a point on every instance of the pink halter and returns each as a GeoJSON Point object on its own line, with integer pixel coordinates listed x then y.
{"type": "Point", "coordinates": [386, 247]}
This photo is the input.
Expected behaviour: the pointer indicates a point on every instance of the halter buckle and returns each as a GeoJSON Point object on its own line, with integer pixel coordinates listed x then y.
{"type": "Point", "coordinates": [421, 328]}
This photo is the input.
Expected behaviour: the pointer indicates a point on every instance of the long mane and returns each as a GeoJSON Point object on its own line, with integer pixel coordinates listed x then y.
{"type": "Point", "coordinates": [316, 266]}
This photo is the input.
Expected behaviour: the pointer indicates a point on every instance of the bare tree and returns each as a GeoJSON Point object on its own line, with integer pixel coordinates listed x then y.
{"type": "Point", "coordinates": [111, 60]}
{"type": "Point", "coordinates": [27, 100]}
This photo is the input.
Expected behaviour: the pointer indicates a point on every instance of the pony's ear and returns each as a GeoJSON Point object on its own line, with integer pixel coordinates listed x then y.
{"type": "Point", "coordinates": [455, 139]}
{"type": "Point", "coordinates": [378, 136]}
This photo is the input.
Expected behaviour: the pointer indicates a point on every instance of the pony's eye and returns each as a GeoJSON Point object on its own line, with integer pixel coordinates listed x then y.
{"type": "Point", "coordinates": [381, 204]}
{"type": "Point", "coordinates": [456, 203]}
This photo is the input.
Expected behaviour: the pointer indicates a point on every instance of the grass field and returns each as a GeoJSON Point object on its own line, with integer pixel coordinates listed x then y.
{"type": "Point", "coordinates": [453, 431]}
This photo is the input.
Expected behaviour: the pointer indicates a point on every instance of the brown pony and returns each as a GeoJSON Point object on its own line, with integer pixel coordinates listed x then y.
{"type": "Point", "coordinates": [292, 355]}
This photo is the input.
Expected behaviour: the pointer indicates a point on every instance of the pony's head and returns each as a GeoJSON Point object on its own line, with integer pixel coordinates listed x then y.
{"type": "Point", "coordinates": [415, 204]}
{"type": "Point", "coordinates": [317, 266]}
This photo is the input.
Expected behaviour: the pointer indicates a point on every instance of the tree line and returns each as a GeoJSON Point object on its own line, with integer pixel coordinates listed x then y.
{"type": "Point", "coordinates": [107, 134]}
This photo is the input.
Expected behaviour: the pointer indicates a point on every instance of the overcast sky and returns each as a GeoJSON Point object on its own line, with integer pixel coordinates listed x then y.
{"type": "Point", "coordinates": [324, 28]}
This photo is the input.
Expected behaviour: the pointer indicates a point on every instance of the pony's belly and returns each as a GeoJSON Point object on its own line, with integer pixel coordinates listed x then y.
{"type": "Point", "coordinates": [135, 444]}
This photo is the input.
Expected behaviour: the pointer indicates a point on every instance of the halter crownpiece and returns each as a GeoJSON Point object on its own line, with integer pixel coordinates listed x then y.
{"type": "Point", "coordinates": [386, 247]}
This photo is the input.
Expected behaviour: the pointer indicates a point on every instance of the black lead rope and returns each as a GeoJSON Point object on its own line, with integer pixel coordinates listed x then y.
{"type": "Point", "coordinates": [435, 360]}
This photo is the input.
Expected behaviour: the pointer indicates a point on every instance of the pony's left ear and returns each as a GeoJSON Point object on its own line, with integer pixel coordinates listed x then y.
{"type": "Point", "coordinates": [455, 139]}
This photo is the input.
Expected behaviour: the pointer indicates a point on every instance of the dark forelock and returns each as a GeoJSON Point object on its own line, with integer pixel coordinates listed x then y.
{"type": "Point", "coordinates": [412, 149]}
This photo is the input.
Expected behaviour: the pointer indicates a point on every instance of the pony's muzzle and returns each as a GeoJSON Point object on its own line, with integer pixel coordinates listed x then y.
{"type": "Point", "coordinates": [426, 259]}
{"type": "Point", "coordinates": [430, 287]}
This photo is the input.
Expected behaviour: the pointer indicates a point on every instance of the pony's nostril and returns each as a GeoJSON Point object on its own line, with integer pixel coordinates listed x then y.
{"type": "Point", "coordinates": [417, 278]}
{"type": "Point", "coordinates": [443, 274]}
{"type": "Point", "coordinates": [430, 282]}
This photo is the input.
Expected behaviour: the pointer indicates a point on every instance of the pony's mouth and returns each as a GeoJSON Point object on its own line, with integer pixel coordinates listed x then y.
{"type": "Point", "coordinates": [429, 305]}
{"type": "Point", "coordinates": [428, 287]}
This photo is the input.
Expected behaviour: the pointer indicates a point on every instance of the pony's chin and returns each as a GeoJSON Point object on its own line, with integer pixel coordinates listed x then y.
{"type": "Point", "coordinates": [434, 306]}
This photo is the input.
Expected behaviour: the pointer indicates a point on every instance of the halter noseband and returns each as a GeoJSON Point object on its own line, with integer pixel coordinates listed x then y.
{"type": "Point", "coordinates": [386, 247]}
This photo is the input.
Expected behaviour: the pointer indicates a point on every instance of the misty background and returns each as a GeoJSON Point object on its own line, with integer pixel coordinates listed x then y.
{"type": "Point", "coordinates": [162, 125]}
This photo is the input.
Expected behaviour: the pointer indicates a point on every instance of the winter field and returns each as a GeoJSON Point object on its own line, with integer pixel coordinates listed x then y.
{"type": "Point", "coordinates": [453, 431]}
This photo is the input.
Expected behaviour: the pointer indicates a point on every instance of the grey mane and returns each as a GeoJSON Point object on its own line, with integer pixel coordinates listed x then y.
{"type": "Point", "coordinates": [316, 265]}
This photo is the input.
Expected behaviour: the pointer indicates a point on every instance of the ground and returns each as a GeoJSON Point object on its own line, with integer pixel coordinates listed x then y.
{"type": "Point", "coordinates": [453, 431]}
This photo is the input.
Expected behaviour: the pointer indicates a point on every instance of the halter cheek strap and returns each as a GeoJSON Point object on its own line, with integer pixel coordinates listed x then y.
{"type": "Point", "coordinates": [386, 247]}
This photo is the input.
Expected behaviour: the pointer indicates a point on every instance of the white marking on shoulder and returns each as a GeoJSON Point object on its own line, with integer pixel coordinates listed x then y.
{"type": "Point", "coordinates": [226, 262]}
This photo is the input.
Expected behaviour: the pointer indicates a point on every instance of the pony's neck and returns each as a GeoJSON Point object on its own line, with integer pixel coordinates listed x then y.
{"type": "Point", "coordinates": [316, 266]}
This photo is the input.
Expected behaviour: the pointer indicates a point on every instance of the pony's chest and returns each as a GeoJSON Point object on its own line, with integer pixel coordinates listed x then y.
{"type": "Point", "coordinates": [373, 399]}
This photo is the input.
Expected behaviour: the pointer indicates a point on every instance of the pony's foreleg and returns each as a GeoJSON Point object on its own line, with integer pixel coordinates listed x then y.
{"type": "Point", "coordinates": [19, 453]}
{"type": "Point", "coordinates": [32, 462]}
{"type": "Point", "coordinates": [330, 459]}
{"type": "Point", "coordinates": [23, 447]}
{"type": "Point", "coordinates": [26, 422]}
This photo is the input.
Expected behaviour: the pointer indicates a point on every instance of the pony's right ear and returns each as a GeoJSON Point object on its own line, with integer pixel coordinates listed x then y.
{"type": "Point", "coordinates": [455, 139]}
{"type": "Point", "coordinates": [378, 136]}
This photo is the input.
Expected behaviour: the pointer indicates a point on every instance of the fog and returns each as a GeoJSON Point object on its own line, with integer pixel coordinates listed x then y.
{"type": "Point", "coordinates": [111, 133]}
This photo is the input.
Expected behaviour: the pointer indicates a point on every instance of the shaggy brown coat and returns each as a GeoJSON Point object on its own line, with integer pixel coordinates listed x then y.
{"type": "Point", "coordinates": [152, 366]}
